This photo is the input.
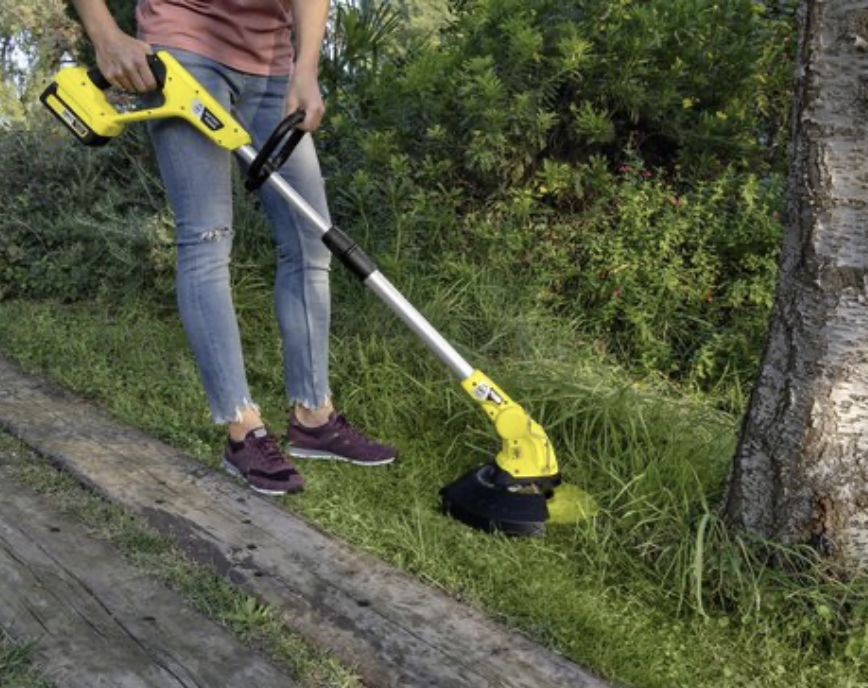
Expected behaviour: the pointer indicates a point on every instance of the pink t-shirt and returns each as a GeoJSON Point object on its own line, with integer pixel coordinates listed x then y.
{"type": "Point", "coordinates": [251, 36]}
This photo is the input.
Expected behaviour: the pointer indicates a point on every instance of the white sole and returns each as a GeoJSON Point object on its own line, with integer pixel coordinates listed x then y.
{"type": "Point", "coordinates": [235, 473]}
{"type": "Point", "coordinates": [297, 453]}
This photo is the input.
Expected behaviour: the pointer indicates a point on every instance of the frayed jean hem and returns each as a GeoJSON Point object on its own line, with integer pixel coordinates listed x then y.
{"type": "Point", "coordinates": [224, 419]}
{"type": "Point", "coordinates": [311, 405]}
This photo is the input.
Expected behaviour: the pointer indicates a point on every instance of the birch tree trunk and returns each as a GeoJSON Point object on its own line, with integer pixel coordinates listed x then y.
{"type": "Point", "coordinates": [801, 468]}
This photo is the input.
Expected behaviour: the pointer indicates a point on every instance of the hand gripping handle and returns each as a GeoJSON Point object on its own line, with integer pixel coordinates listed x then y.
{"type": "Point", "coordinates": [276, 150]}
{"type": "Point", "coordinates": [78, 98]}
{"type": "Point", "coordinates": [158, 69]}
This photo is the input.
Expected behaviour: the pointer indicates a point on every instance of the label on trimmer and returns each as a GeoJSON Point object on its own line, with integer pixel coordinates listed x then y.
{"type": "Point", "coordinates": [206, 116]}
{"type": "Point", "coordinates": [73, 122]}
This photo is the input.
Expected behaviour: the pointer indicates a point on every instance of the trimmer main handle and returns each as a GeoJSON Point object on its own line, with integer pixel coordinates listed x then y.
{"type": "Point", "coordinates": [158, 69]}
{"type": "Point", "coordinates": [77, 98]}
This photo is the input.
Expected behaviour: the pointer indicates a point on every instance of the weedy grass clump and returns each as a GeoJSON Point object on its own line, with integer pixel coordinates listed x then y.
{"type": "Point", "coordinates": [16, 665]}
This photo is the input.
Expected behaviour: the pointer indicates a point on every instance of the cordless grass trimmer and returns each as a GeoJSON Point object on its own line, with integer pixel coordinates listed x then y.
{"type": "Point", "coordinates": [517, 493]}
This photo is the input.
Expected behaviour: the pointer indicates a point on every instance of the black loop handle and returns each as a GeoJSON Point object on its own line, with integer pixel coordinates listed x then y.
{"type": "Point", "coordinates": [267, 161]}
{"type": "Point", "coordinates": [158, 69]}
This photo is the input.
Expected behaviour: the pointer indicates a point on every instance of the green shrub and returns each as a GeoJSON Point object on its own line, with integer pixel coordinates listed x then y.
{"type": "Point", "coordinates": [616, 164]}
{"type": "Point", "coordinates": [80, 222]}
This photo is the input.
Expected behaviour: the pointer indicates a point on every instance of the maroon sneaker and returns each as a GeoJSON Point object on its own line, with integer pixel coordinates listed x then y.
{"type": "Point", "coordinates": [259, 461]}
{"type": "Point", "coordinates": [339, 440]}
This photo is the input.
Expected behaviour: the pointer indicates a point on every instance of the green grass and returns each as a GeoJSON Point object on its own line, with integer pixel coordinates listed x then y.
{"type": "Point", "coordinates": [653, 592]}
{"type": "Point", "coordinates": [156, 555]}
{"type": "Point", "coordinates": [16, 669]}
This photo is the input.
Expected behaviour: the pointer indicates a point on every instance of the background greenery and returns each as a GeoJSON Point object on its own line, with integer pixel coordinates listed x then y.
{"type": "Point", "coordinates": [584, 196]}
{"type": "Point", "coordinates": [615, 165]}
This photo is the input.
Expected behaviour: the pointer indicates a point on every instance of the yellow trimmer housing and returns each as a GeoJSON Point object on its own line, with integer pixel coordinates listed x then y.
{"type": "Point", "coordinates": [77, 97]}
{"type": "Point", "coordinates": [526, 451]}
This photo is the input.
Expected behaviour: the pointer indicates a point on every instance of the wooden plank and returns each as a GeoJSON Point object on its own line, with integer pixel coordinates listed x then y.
{"type": "Point", "coordinates": [391, 628]}
{"type": "Point", "coordinates": [97, 621]}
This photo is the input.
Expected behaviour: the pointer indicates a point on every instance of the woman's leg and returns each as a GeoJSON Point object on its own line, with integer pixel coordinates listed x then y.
{"type": "Point", "coordinates": [302, 294]}
{"type": "Point", "coordinates": [302, 298]}
{"type": "Point", "coordinates": [196, 174]}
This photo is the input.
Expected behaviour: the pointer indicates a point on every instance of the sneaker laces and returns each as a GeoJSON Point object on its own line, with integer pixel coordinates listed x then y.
{"type": "Point", "coordinates": [270, 450]}
{"type": "Point", "coordinates": [343, 424]}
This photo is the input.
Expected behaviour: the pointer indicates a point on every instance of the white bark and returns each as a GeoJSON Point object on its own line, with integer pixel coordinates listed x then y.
{"type": "Point", "coordinates": [801, 469]}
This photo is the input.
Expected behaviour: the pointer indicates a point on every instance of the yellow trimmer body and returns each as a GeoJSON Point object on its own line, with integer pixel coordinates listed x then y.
{"type": "Point", "coordinates": [78, 99]}
{"type": "Point", "coordinates": [526, 451]}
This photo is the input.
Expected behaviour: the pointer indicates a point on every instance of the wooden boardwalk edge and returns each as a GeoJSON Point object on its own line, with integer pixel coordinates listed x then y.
{"type": "Point", "coordinates": [95, 620]}
{"type": "Point", "coordinates": [391, 628]}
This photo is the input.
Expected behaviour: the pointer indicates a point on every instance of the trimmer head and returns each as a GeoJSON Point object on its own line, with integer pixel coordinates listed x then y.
{"type": "Point", "coordinates": [490, 499]}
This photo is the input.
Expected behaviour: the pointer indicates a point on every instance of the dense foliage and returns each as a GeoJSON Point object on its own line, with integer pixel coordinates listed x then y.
{"type": "Point", "coordinates": [78, 224]}
{"type": "Point", "coordinates": [619, 164]}
{"type": "Point", "coordinates": [34, 37]}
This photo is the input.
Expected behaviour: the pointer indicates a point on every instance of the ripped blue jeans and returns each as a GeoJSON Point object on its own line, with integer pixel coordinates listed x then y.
{"type": "Point", "coordinates": [197, 176]}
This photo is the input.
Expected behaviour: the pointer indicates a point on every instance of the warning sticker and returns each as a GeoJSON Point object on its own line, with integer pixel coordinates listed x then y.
{"type": "Point", "coordinates": [73, 122]}
{"type": "Point", "coordinates": [208, 118]}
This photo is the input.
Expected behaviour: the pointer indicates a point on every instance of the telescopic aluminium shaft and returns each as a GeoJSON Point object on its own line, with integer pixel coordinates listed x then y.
{"type": "Point", "coordinates": [346, 250]}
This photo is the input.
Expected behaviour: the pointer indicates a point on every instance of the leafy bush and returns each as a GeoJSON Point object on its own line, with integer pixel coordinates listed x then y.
{"type": "Point", "coordinates": [80, 222]}
{"type": "Point", "coordinates": [617, 164]}
{"type": "Point", "coordinates": [685, 82]}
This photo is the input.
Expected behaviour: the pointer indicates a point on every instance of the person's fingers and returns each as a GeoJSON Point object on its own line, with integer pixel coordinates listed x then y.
{"type": "Point", "coordinates": [144, 68]}
{"type": "Point", "coordinates": [136, 79]}
{"type": "Point", "coordinates": [304, 94]}
{"type": "Point", "coordinates": [141, 74]}
{"type": "Point", "coordinates": [114, 72]}
{"type": "Point", "coordinates": [107, 69]}
{"type": "Point", "coordinates": [309, 123]}
{"type": "Point", "coordinates": [149, 83]}
{"type": "Point", "coordinates": [124, 64]}
{"type": "Point", "coordinates": [119, 80]}
{"type": "Point", "coordinates": [313, 114]}
{"type": "Point", "coordinates": [313, 119]}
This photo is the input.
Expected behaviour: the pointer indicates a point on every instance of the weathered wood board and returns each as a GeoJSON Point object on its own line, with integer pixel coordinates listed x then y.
{"type": "Point", "coordinates": [391, 628]}
{"type": "Point", "coordinates": [95, 620]}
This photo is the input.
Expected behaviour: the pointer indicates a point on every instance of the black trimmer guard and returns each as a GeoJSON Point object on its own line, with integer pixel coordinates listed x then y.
{"type": "Point", "coordinates": [484, 500]}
